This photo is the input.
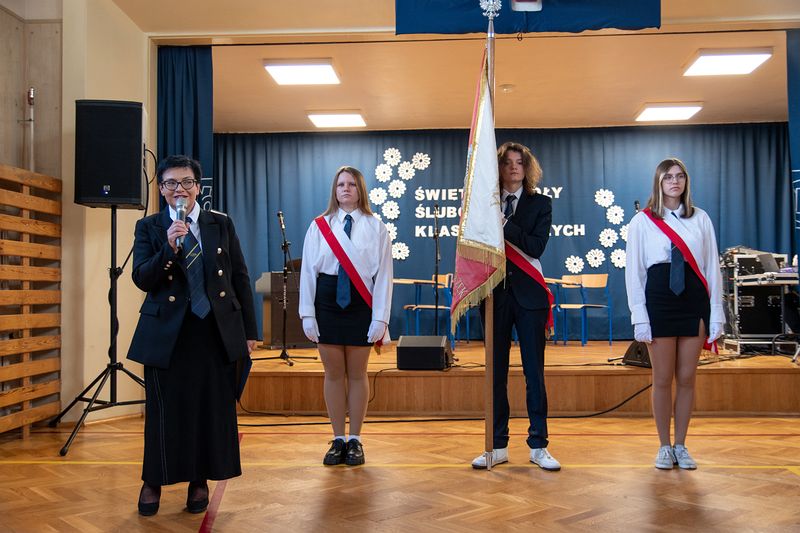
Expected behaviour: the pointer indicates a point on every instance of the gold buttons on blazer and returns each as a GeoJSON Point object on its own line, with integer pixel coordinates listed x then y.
{"type": "Point", "coordinates": [169, 277]}
{"type": "Point", "coordinates": [219, 273]}
{"type": "Point", "coordinates": [219, 251]}
{"type": "Point", "coordinates": [222, 294]}
{"type": "Point", "coordinates": [171, 298]}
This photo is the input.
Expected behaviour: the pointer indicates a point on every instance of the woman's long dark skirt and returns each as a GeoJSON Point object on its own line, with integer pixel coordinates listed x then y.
{"type": "Point", "coordinates": [674, 315]}
{"type": "Point", "coordinates": [190, 430]}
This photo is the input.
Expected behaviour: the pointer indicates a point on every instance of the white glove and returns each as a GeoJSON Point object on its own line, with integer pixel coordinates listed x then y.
{"type": "Point", "coordinates": [376, 331]}
{"type": "Point", "coordinates": [715, 331]}
{"type": "Point", "coordinates": [310, 328]}
{"type": "Point", "coordinates": [642, 332]}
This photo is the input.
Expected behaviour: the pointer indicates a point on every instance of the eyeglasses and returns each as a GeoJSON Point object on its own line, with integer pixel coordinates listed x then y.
{"type": "Point", "coordinates": [676, 177]}
{"type": "Point", "coordinates": [172, 185]}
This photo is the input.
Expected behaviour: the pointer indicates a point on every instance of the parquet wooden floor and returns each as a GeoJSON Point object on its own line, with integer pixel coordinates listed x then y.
{"type": "Point", "coordinates": [418, 478]}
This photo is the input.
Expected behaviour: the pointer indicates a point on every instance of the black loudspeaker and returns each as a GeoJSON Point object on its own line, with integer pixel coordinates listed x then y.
{"type": "Point", "coordinates": [109, 152]}
{"type": "Point", "coordinates": [637, 355]}
{"type": "Point", "coordinates": [424, 352]}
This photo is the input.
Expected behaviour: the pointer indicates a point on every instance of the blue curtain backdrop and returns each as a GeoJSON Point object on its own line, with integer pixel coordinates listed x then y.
{"type": "Point", "coordinates": [186, 108]}
{"type": "Point", "coordinates": [740, 176]}
{"type": "Point", "coordinates": [793, 90]}
{"type": "Point", "coordinates": [466, 16]}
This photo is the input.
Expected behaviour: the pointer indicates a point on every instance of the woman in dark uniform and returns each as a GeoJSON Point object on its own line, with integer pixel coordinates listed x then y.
{"type": "Point", "coordinates": [196, 322]}
{"type": "Point", "coordinates": [671, 309]}
{"type": "Point", "coordinates": [334, 313]}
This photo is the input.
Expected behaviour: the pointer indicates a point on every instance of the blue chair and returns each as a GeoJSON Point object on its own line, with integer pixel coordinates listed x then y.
{"type": "Point", "coordinates": [443, 284]}
{"type": "Point", "coordinates": [594, 294]}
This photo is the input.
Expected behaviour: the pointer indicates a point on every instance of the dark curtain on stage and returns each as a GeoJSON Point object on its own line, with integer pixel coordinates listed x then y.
{"type": "Point", "coordinates": [793, 90]}
{"type": "Point", "coordinates": [740, 176]}
{"type": "Point", "coordinates": [186, 109]}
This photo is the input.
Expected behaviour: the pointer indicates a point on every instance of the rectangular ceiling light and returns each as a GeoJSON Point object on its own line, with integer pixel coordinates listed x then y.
{"type": "Point", "coordinates": [725, 62]}
{"type": "Point", "coordinates": [301, 71]}
{"type": "Point", "coordinates": [338, 119]}
{"type": "Point", "coordinates": [668, 112]}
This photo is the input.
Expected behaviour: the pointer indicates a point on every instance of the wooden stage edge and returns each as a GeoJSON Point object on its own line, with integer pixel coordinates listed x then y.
{"type": "Point", "coordinates": [579, 381]}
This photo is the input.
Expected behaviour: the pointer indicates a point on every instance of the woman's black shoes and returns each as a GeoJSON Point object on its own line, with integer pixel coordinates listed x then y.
{"type": "Point", "coordinates": [355, 453]}
{"type": "Point", "coordinates": [350, 453]}
{"type": "Point", "coordinates": [335, 455]}
{"type": "Point", "coordinates": [197, 498]}
{"type": "Point", "coordinates": [148, 492]}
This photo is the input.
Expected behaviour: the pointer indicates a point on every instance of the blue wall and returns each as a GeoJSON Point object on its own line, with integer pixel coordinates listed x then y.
{"type": "Point", "coordinates": [740, 176]}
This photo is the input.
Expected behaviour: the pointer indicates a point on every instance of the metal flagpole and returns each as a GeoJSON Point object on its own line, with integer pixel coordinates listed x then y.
{"type": "Point", "coordinates": [490, 10]}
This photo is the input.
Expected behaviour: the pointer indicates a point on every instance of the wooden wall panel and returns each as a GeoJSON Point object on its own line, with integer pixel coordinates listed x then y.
{"type": "Point", "coordinates": [30, 317]}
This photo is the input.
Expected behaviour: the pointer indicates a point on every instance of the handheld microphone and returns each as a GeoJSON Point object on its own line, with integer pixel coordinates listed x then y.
{"type": "Point", "coordinates": [180, 208]}
{"type": "Point", "coordinates": [280, 219]}
{"type": "Point", "coordinates": [636, 205]}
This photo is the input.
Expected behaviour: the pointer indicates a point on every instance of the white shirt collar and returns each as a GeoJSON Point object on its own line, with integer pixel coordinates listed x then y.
{"type": "Point", "coordinates": [678, 212]}
{"type": "Point", "coordinates": [193, 214]}
{"type": "Point", "coordinates": [506, 194]}
{"type": "Point", "coordinates": [341, 213]}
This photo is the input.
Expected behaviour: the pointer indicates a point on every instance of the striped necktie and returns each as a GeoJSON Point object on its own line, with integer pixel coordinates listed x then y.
{"type": "Point", "coordinates": [343, 281]}
{"type": "Point", "coordinates": [509, 212]}
{"type": "Point", "coordinates": [193, 261]}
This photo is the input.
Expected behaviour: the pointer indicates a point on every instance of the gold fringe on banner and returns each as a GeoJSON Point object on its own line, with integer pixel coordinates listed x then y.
{"type": "Point", "coordinates": [477, 295]}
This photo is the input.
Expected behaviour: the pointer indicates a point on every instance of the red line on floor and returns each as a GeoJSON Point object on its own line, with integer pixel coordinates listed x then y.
{"type": "Point", "coordinates": [213, 505]}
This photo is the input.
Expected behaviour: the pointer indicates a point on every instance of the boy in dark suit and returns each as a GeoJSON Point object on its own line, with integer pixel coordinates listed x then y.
{"type": "Point", "coordinates": [522, 302]}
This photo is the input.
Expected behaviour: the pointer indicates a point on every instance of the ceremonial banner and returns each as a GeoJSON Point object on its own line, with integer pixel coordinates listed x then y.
{"type": "Point", "coordinates": [480, 247]}
{"type": "Point", "coordinates": [465, 16]}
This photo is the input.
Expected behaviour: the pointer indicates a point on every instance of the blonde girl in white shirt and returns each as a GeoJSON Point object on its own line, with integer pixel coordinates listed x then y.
{"type": "Point", "coordinates": [674, 321]}
{"type": "Point", "coordinates": [334, 313]}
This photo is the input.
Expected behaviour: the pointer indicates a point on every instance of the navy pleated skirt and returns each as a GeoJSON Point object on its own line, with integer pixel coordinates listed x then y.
{"type": "Point", "coordinates": [674, 315]}
{"type": "Point", "coordinates": [190, 430]}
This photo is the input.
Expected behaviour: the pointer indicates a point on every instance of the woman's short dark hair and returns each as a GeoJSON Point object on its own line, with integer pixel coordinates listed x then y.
{"type": "Point", "coordinates": [178, 161]}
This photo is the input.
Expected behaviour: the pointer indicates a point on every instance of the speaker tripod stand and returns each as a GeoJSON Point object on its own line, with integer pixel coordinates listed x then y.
{"type": "Point", "coordinates": [109, 373]}
{"type": "Point", "coordinates": [287, 260]}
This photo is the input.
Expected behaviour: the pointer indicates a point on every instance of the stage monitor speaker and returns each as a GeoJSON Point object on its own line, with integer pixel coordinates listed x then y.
{"type": "Point", "coordinates": [109, 150]}
{"type": "Point", "coordinates": [637, 355]}
{"type": "Point", "coordinates": [424, 352]}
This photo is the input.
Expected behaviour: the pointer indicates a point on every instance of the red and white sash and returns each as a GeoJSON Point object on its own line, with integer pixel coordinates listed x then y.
{"type": "Point", "coordinates": [687, 255]}
{"type": "Point", "coordinates": [349, 258]}
{"type": "Point", "coordinates": [533, 268]}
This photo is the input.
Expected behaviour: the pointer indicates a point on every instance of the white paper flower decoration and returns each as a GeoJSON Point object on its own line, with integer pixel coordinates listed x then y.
{"type": "Point", "coordinates": [383, 173]}
{"type": "Point", "coordinates": [595, 257]}
{"type": "Point", "coordinates": [376, 215]}
{"type": "Point", "coordinates": [377, 196]}
{"type": "Point", "coordinates": [608, 237]}
{"type": "Point", "coordinates": [615, 214]}
{"type": "Point", "coordinates": [397, 188]}
{"type": "Point", "coordinates": [390, 210]}
{"type": "Point", "coordinates": [400, 251]}
{"type": "Point", "coordinates": [574, 264]}
{"type": "Point", "coordinates": [406, 170]}
{"type": "Point", "coordinates": [392, 156]}
{"type": "Point", "coordinates": [623, 232]}
{"type": "Point", "coordinates": [618, 258]}
{"type": "Point", "coordinates": [392, 229]}
{"type": "Point", "coordinates": [421, 161]}
{"type": "Point", "coordinates": [604, 197]}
